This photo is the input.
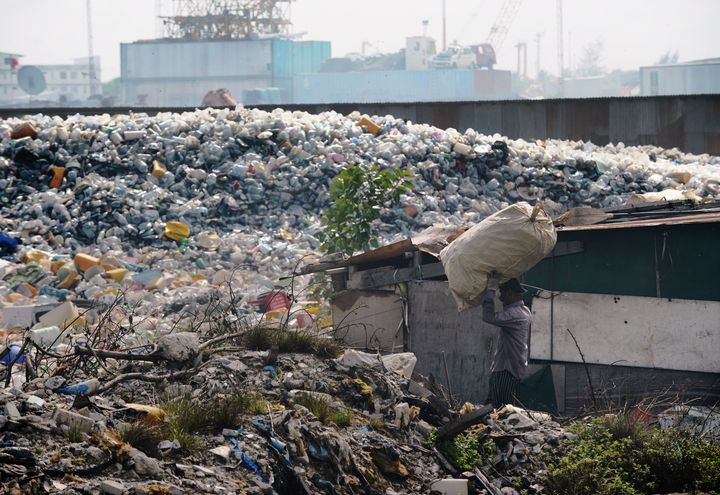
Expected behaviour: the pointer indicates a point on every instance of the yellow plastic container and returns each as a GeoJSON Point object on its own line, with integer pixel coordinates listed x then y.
{"type": "Point", "coordinates": [56, 265]}
{"type": "Point", "coordinates": [158, 169]}
{"type": "Point", "coordinates": [34, 257]}
{"type": "Point", "coordinates": [177, 231]}
{"type": "Point", "coordinates": [117, 274]}
{"type": "Point", "coordinates": [371, 126]}
{"type": "Point", "coordinates": [69, 281]}
{"type": "Point", "coordinates": [85, 261]}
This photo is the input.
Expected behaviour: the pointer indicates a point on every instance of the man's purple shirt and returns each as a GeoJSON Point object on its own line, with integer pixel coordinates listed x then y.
{"type": "Point", "coordinates": [514, 322]}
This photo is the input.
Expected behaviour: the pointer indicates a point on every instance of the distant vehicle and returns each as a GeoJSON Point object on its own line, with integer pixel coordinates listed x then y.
{"type": "Point", "coordinates": [465, 57]}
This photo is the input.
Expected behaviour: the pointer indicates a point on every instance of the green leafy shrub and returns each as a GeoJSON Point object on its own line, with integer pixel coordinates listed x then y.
{"type": "Point", "coordinates": [357, 196]}
{"type": "Point", "coordinates": [465, 451]}
{"type": "Point", "coordinates": [623, 456]}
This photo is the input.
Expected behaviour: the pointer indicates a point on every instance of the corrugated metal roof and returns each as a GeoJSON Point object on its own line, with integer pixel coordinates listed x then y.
{"type": "Point", "coordinates": [655, 222]}
{"type": "Point", "coordinates": [399, 248]}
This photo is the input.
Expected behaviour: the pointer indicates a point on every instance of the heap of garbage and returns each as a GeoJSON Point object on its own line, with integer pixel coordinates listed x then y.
{"type": "Point", "coordinates": [259, 422]}
{"type": "Point", "coordinates": [174, 201]}
{"type": "Point", "coordinates": [146, 318]}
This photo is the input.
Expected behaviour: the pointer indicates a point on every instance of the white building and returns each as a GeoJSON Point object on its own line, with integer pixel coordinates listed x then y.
{"type": "Point", "coordinates": [698, 77]}
{"type": "Point", "coordinates": [9, 89]}
{"type": "Point", "coordinates": [419, 50]}
{"type": "Point", "coordinates": [65, 82]}
{"type": "Point", "coordinates": [71, 82]}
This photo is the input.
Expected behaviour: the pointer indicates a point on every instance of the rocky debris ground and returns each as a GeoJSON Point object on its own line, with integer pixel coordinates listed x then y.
{"type": "Point", "coordinates": [138, 252]}
{"type": "Point", "coordinates": [55, 440]}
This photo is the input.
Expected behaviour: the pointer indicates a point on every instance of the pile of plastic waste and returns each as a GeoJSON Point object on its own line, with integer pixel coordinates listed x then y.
{"type": "Point", "coordinates": [174, 201]}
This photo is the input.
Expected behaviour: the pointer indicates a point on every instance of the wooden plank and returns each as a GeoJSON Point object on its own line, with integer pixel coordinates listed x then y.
{"type": "Point", "coordinates": [682, 220]}
{"type": "Point", "coordinates": [380, 277]}
{"type": "Point", "coordinates": [369, 320]}
{"type": "Point", "coordinates": [462, 423]}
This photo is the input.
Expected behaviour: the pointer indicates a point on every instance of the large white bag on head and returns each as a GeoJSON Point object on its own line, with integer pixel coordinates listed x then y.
{"type": "Point", "coordinates": [509, 242]}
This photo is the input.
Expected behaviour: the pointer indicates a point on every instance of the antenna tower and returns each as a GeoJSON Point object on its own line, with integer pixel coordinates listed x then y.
{"type": "Point", "coordinates": [228, 19]}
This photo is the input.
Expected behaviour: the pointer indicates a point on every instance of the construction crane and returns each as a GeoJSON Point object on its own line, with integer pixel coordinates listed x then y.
{"type": "Point", "coordinates": [501, 26]}
{"type": "Point", "coordinates": [228, 19]}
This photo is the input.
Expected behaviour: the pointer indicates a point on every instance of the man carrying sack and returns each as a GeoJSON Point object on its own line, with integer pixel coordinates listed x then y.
{"type": "Point", "coordinates": [511, 356]}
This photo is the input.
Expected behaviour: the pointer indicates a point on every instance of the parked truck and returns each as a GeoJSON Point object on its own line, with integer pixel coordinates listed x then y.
{"type": "Point", "coordinates": [465, 57]}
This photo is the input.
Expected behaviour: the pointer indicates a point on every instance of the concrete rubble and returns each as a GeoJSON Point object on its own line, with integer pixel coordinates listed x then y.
{"type": "Point", "coordinates": [144, 260]}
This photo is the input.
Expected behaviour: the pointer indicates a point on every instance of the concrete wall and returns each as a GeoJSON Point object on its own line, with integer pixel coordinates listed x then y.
{"type": "Point", "coordinates": [435, 326]}
{"type": "Point", "coordinates": [647, 332]}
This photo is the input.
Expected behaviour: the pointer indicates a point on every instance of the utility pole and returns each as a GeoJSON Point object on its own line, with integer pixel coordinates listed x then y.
{"type": "Point", "coordinates": [522, 59]}
{"type": "Point", "coordinates": [560, 51]}
{"type": "Point", "coordinates": [538, 38]}
{"type": "Point", "coordinates": [91, 57]}
{"type": "Point", "coordinates": [444, 22]}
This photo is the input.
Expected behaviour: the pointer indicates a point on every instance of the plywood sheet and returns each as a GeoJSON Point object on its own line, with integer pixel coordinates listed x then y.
{"type": "Point", "coordinates": [649, 332]}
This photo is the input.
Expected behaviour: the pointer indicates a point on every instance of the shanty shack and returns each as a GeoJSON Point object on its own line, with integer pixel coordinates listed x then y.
{"type": "Point", "coordinates": [624, 311]}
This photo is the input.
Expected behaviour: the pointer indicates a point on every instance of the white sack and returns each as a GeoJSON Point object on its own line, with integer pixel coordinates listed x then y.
{"type": "Point", "coordinates": [509, 242]}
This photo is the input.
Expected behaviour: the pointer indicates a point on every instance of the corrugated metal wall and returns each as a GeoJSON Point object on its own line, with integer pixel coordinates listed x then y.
{"type": "Point", "coordinates": [679, 262]}
{"type": "Point", "coordinates": [690, 123]}
{"type": "Point", "coordinates": [291, 58]}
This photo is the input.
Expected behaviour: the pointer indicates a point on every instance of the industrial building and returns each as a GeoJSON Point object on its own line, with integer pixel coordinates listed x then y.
{"type": "Point", "coordinates": [175, 72]}
{"type": "Point", "coordinates": [697, 77]}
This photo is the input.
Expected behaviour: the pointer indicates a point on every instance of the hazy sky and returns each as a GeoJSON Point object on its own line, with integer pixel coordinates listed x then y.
{"type": "Point", "coordinates": [634, 32]}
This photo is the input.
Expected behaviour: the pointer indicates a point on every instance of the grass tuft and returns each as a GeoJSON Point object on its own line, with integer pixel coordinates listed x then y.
{"type": "Point", "coordinates": [143, 436]}
{"type": "Point", "coordinates": [187, 417]}
{"type": "Point", "coordinates": [323, 410]}
{"type": "Point", "coordinates": [263, 338]}
{"type": "Point", "coordinates": [74, 434]}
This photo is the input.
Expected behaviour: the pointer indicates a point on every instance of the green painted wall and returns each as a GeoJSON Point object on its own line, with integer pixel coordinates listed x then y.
{"type": "Point", "coordinates": [623, 262]}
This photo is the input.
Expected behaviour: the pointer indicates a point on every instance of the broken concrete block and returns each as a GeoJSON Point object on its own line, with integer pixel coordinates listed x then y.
{"type": "Point", "coordinates": [178, 347]}
{"type": "Point", "coordinates": [450, 486]}
{"type": "Point", "coordinates": [74, 420]}
{"type": "Point", "coordinates": [223, 452]}
{"type": "Point", "coordinates": [45, 337]}
{"type": "Point", "coordinates": [534, 438]}
{"type": "Point", "coordinates": [34, 400]}
{"type": "Point", "coordinates": [60, 317]}
{"type": "Point", "coordinates": [22, 316]}
{"type": "Point", "coordinates": [111, 487]}
{"type": "Point", "coordinates": [142, 464]}
{"type": "Point", "coordinates": [11, 411]}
